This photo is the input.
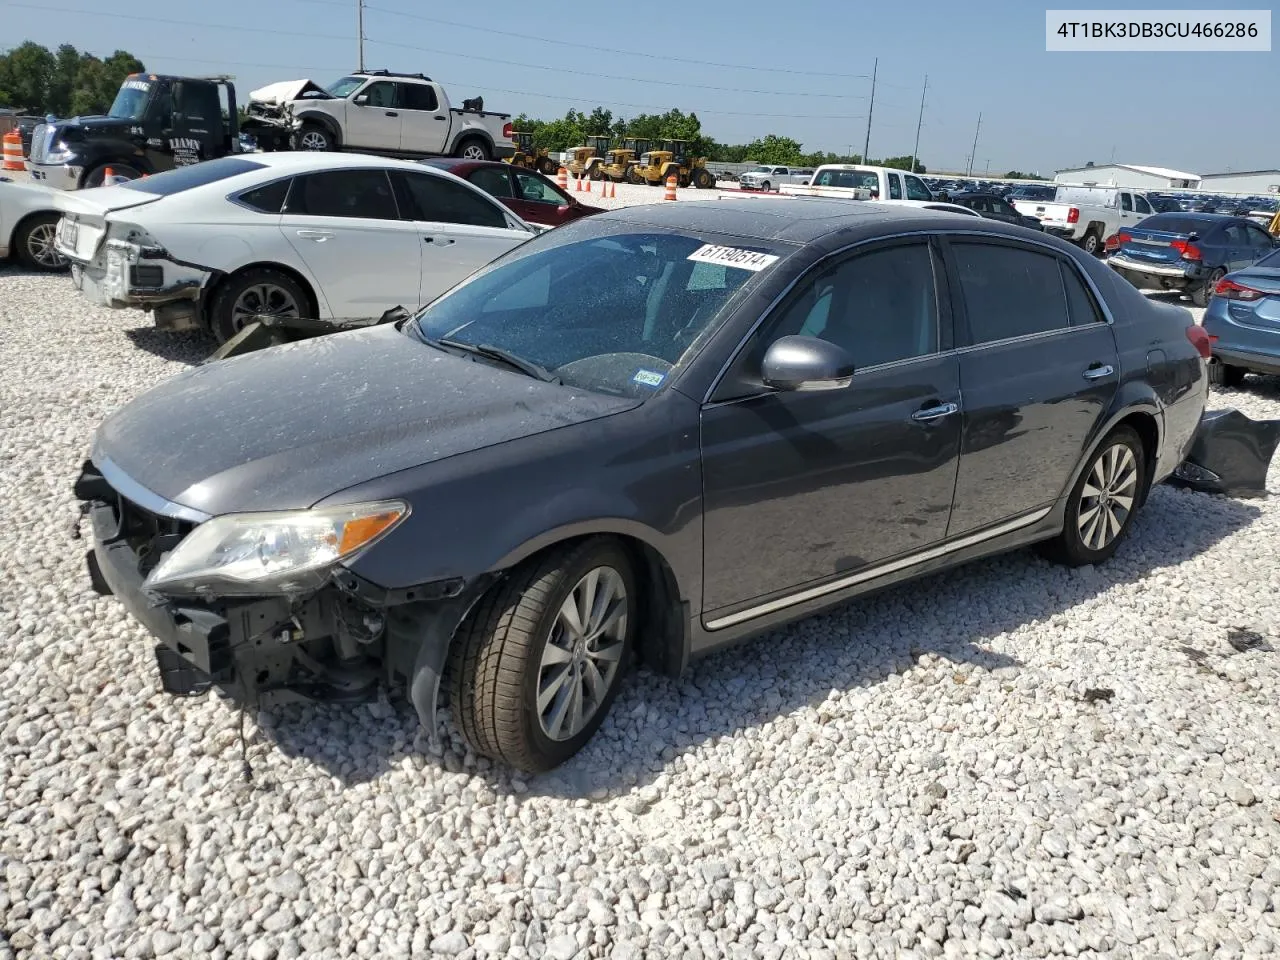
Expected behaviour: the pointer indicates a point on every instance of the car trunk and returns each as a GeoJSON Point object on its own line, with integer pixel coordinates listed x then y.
{"type": "Point", "coordinates": [85, 213]}
{"type": "Point", "coordinates": [1155, 246]}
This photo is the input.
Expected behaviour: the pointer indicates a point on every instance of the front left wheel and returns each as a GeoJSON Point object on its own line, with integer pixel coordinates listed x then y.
{"type": "Point", "coordinates": [536, 666]}
{"type": "Point", "coordinates": [1103, 502]}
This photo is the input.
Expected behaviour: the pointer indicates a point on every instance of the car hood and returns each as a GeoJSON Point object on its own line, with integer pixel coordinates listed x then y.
{"type": "Point", "coordinates": [284, 428]}
{"type": "Point", "coordinates": [288, 90]}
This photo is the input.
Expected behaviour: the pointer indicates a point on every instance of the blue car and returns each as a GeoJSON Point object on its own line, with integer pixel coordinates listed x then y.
{"type": "Point", "coordinates": [1243, 322]}
{"type": "Point", "coordinates": [1188, 252]}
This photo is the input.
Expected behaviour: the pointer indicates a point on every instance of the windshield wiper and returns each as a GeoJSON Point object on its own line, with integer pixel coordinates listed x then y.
{"type": "Point", "coordinates": [490, 352]}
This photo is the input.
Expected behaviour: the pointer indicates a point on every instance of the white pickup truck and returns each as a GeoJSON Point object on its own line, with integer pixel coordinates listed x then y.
{"type": "Point", "coordinates": [1087, 216]}
{"type": "Point", "coordinates": [770, 177]}
{"type": "Point", "coordinates": [376, 111]}
{"type": "Point", "coordinates": [854, 181]}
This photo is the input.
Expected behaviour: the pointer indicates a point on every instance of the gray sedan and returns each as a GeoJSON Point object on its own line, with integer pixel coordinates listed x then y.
{"type": "Point", "coordinates": [656, 431]}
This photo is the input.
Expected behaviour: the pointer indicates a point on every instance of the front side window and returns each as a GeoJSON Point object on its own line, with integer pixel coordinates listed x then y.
{"type": "Point", "coordinates": [604, 311]}
{"type": "Point", "coordinates": [437, 200]}
{"type": "Point", "coordinates": [361, 194]}
{"type": "Point", "coordinates": [916, 190]}
{"type": "Point", "coordinates": [537, 190]}
{"type": "Point", "coordinates": [380, 94]}
{"type": "Point", "coordinates": [1009, 291]}
{"type": "Point", "coordinates": [1126, 203]}
{"type": "Point", "coordinates": [880, 306]}
{"type": "Point", "coordinates": [1141, 204]}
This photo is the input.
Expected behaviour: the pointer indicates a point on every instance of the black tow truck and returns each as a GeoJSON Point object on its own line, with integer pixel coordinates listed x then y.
{"type": "Point", "coordinates": [156, 123]}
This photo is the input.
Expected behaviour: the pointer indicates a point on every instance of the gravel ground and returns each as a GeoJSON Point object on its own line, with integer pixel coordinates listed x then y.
{"type": "Point", "coordinates": [630, 194]}
{"type": "Point", "coordinates": [1008, 760]}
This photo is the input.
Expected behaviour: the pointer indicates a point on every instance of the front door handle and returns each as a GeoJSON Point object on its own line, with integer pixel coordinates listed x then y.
{"type": "Point", "coordinates": [438, 241]}
{"type": "Point", "coordinates": [320, 236]}
{"type": "Point", "coordinates": [935, 413]}
{"type": "Point", "coordinates": [1098, 371]}
{"type": "Point", "coordinates": [392, 113]}
{"type": "Point", "coordinates": [439, 117]}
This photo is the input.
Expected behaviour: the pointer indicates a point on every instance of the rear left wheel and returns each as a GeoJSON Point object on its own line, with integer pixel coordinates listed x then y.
{"type": "Point", "coordinates": [256, 292]}
{"type": "Point", "coordinates": [1103, 502]}
{"type": "Point", "coordinates": [536, 666]}
{"type": "Point", "coordinates": [33, 243]}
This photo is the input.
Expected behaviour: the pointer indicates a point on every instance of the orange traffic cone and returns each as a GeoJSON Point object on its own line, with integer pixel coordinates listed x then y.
{"type": "Point", "coordinates": [13, 151]}
{"type": "Point", "coordinates": [588, 186]}
{"type": "Point", "coordinates": [577, 184]}
{"type": "Point", "coordinates": [563, 179]}
{"type": "Point", "coordinates": [671, 188]}
{"type": "Point", "coordinates": [613, 190]}
{"type": "Point", "coordinates": [107, 176]}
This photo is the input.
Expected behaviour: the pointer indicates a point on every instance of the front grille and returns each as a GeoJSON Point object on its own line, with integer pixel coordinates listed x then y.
{"type": "Point", "coordinates": [39, 143]}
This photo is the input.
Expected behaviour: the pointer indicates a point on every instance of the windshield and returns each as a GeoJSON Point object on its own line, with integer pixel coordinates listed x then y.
{"type": "Point", "coordinates": [1270, 260]}
{"type": "Point", "coordinates": [131, 102]}
{"type": "Point", "coordinates": [343, 87]}
{"type": "Point", "coordinates": [868, 179]}
{"type": "Point", "coordinates": [760, 170]}
{"type": "Point", "coordinates": [603, 310]}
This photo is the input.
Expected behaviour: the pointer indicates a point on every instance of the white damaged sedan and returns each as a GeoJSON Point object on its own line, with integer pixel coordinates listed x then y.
{"type": "Point", "coordinates": [329, 236]}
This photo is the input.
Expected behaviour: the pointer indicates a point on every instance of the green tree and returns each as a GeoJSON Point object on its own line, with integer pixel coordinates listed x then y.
{"type": "Point", "coordinates": [775, 149]}
{"type": "Point", "coordinates": [26, 73]}
{"type": "Point", "coordinates": [67, 82]}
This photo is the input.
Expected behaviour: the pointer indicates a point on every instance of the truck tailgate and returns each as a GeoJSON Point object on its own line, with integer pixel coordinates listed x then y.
{"type": "Point", "coordinates": [1044, 211]}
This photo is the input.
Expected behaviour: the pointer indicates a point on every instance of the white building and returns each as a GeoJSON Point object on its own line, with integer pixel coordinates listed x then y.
{"type": "Point", "coordinates": [1253, 182]}
{"type": "Point", "coordinates": [1128, 175]}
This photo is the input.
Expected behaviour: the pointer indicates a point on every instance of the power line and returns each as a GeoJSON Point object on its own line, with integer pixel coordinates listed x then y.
{"type": "Point", "coordinates": [755, 68]}
{"type": "Point", "coordinates": [595, 74]}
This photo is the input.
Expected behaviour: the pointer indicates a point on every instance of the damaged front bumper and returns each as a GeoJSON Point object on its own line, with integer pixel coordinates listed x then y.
{"type": "Point", "coordinates": [128, 275]}
{"type": "Point", "coordinates": [1230, 454]}
{"type": "Point", "coordinates": [338, 643]}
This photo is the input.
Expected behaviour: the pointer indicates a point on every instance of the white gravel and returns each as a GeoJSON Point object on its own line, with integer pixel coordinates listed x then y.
{"type": "Point", "coordinates": [921, 774]}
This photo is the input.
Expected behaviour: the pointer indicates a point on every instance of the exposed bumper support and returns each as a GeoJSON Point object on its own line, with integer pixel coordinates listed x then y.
{"type": "Point", "coordinates": [1230, 454]}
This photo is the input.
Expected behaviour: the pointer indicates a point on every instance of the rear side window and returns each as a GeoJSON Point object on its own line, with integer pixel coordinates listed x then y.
{"type": "Point", "coordinates": [1081, 307]}
{"type": "Point", "coordinates": [195, 175]}
{"type": "Point", "coordinates": [438, 200]}
{"type": "Point", "coordinates": [361, 194]}
{"type": "Point", "coordinates": [418, 96]}
{"type": "Point", "coordinates": [266, 199]}
{"type": "Point", "coordinates": [1009, 291]}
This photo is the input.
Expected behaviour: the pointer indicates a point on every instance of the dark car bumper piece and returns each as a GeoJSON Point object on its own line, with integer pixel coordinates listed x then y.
{"type": "Point", "coordinates": [1257, 362]}
{"type": "Point", "coordinates": [270, 331]}
{"type": "Point", "coordinates": [338, 644]}
{"type": "Point", "coordinates": [1230, 454]}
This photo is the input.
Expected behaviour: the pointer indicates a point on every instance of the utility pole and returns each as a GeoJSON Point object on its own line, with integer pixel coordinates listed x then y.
{"type": "Point", "coordinates": [919, 122]}
{"type": "Point", "coordinates": [360, 30]}
{"type": "Point", "coordinates": [974, 153]}
{"type": "Point", "coordinates": [988, 169]}
{"type": "Point", "coordinates": [866, 145]}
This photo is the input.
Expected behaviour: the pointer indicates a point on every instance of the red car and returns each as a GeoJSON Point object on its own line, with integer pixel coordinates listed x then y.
{"type": "Point", "coordinates": [532, 196]}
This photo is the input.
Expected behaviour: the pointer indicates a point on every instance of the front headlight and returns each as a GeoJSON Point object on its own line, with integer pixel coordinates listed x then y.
{"type": "Point", "coordinates": [256, 553]}
{"type": "Point", "coordinates": [58, 152]}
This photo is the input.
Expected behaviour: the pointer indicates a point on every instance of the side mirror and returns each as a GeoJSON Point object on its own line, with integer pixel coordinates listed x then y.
{"type": "Point", "coordinates": [806, 364]}
{"type": "Point", "coordinates": [361, 100]}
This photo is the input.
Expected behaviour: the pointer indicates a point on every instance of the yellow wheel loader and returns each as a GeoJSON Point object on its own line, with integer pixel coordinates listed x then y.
{"type": "Point", "coordinates": [531, 157]}
{"type": "Point", "coordinates": [655, 166]}
{"type": "Point", "coordinates": [587, 161]}
{"type": "Point", "coordinates": [621, 161]}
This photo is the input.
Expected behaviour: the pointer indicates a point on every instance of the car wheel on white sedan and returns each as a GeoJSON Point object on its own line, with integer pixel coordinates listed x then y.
{"type": "Point", "coordinates": [260, 291]}
{"type": "Point", "coordinates": [33, 243]}
{"type": "Point", "coordinates": [537, 664]}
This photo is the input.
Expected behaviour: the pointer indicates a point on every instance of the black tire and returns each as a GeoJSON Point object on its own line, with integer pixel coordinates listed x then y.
{"type": "Point", "coordinates": [703, 179]}
{"type": "Point", "coordinates": [546, 167]}
{"type": "Point", "coordinates": [1070, 547]}
{"type": "Point", "coordinates": [633, 176]}
{"type": "Point", "coordinates": [473, 148]}
{"type": "Point", "coordinates": [1090, 243]}
{"type": "Point", "coordinates": [315, 138]}
{"type": "Point", "coordinates": [766, 186]}
{"type": "Point", "coordinates": [595, 173]}
{"type": "Point", "coordinates": [33, 243]}
{"type": "Point", "coordinates": [225, 320]}
{"type": "Point", "coordinates": [1201, 294]}
{"type": "Point", "coordinates": [496, 659]}
{"type": "Point", "coordinates": [1226, 374]}
{"type": "Point", "coordinates": [95, 176]}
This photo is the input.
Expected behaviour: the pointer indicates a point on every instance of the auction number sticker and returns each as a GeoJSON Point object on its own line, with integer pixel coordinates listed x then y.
{"type": "Point", "coordinates": [733, 257]}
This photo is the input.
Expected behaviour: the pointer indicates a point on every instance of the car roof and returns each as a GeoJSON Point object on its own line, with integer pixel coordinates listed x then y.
{"type": "Point", "coordinates": [302, 161]}
{"type": "Point", "coordinates": [795, 220]}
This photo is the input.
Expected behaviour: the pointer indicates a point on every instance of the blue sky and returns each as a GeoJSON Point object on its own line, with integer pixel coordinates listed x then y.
{"type": "Point", "coordinates": [1039, 110]}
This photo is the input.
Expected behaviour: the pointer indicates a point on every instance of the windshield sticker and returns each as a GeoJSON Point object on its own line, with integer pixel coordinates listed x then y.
{"type": "Point", "coordinates": [733, 257]}
{"type": "Point", "coordinates": [648, 378]}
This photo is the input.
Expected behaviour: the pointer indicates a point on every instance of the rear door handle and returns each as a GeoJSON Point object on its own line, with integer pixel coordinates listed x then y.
{"type": "Point", "coordinates": [392, 113]}
{"type": "Point", "coordinates": [438, 117]}
{"type": "Point", "coordinates": [935, 413]}
{"type": "Point", "coordinates": [318, 235]}
{"type": "Point", "coordinates": [439, 241]}
{"type": "Point", "coordinates": [1098, 371]}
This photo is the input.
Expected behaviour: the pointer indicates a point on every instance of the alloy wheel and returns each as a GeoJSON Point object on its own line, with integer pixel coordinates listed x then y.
{"type": "Point", "coordinates": [473, 151]}
{"type": "Point", "coordinates": [263, 298]}
{"type": "Point", "coordinates": [314, 140]}
{"type": "Point", "coordinates": [1106, 499]}
{"type": "Point", "coordinates": [41, 247]}
{"type": "Point", "coordinates": [583, 653]}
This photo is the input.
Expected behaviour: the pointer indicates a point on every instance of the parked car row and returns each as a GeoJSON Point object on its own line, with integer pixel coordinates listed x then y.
{"type": "Point", "coordinates": [653, 431]}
